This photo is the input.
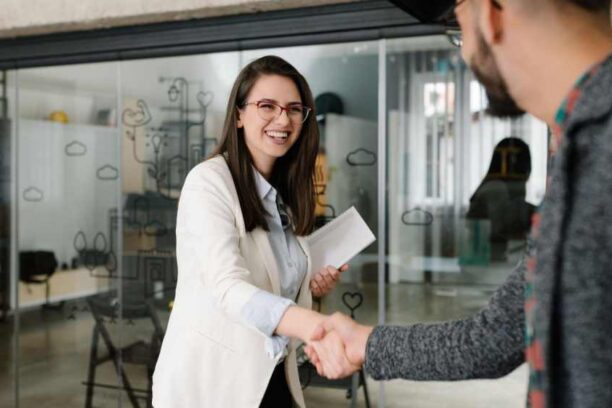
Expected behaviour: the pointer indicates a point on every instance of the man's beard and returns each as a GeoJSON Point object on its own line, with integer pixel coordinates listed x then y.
{"type": "Point", "coordinates": [484, 66]}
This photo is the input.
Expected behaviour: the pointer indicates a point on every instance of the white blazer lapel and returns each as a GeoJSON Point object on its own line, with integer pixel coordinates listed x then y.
{"type": "Point", "coordinates": [305, 296]}
{"type": "Point", "coordinates": [260, 237]}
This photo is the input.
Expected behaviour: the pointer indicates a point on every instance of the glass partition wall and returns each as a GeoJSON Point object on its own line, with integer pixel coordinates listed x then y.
{"type": "Point", "coordinates": [67, 183]}
{"type": "Point", "coordinates": [461, 189]}
{"type": "Point", "coordinates": [99, 155]}
{"type": "Point", "coordinates": [8, 325]}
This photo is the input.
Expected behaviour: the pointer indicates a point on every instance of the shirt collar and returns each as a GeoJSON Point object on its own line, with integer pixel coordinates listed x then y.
{"type": "Point", "coordinates": [264, 188]}
{"type": "Point", "coordinates": [567, 106]}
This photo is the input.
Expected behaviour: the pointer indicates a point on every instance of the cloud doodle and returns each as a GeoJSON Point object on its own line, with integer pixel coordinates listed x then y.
{"type": "Point", "coordinates": [33, 194]}
{"type": "Point", "coordinates": [107, 172]}
{"type": "Point", "coordinates": [361, 157]}
{"type": "Point", "coordinates": [417, 217]}
{"type": "Point", "coordinates": [75, 148]}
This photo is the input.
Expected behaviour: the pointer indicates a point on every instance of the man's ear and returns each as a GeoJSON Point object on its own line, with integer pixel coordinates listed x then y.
{"type": "Point", "coordinates": [491, 21]}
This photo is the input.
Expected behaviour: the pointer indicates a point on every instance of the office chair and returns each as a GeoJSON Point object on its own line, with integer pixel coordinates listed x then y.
{"type": "Point", "coordinates": [105, 310]}
{"type": "Point", "coordinates": [37, 267]}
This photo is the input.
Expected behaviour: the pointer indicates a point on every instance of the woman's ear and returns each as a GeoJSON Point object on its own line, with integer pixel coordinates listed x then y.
{"type": "Point", "coordinates": [239, 123]}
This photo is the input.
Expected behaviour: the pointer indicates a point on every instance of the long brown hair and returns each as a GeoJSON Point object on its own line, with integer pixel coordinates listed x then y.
{"type": "Point", "coordinates": [293, 173]}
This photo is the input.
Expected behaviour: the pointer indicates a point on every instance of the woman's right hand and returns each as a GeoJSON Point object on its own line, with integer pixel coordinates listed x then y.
{"type": "Point", "coordinates": [299, 323]}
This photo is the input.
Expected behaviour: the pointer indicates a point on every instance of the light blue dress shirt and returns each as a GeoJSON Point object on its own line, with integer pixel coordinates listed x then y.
{"type": "Point", "coordinates": [264, 310]}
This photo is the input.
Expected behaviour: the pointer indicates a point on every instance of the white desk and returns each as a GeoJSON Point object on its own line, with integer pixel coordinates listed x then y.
{"type": "Point", "coordinates": [63, 285]}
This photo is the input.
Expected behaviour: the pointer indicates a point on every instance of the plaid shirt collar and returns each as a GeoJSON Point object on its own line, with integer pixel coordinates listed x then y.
{"type": "Point", "coordinates": [567, 106]}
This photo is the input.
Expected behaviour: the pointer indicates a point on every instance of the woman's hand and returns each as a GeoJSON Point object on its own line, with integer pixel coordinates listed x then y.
{"type": "Point", "coordinates": [325, 280]}
{"type": "Point", "coordinates": [328, 355]}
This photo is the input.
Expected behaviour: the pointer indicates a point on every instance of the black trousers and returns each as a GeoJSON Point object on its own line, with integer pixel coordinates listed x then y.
{"type": "Point", "coordinates": [277, 394]}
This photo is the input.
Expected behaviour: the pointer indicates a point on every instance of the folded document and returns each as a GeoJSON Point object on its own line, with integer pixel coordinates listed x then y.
{"type": "Point", "coordinates": [339, 240]}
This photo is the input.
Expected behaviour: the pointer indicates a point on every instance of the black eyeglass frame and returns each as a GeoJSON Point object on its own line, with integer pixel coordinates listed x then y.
{"type": "Point", "coordinates": [453, 31]}
{"type": "Point", "coordinates": [305, 109]}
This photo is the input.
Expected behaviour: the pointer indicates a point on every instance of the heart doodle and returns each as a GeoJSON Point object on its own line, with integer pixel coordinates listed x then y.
{"type": "Point", "coordinates": [205, 98]}
{"type": "Point", "coordinates": [352, 300]}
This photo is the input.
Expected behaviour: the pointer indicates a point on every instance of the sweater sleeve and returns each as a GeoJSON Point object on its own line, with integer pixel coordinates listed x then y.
{"type": "Point", "coordinates": [489, 344]}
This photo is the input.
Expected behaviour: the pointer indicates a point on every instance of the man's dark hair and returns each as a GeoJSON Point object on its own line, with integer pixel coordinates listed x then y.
{"type": "Point", "coordinates": [441, 11]}
{"type": "Point", "coordinates": [593, 5]}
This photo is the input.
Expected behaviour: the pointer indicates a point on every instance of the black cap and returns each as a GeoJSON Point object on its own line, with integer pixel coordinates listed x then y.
{"type": "Point", "coordinates": [430, 11]}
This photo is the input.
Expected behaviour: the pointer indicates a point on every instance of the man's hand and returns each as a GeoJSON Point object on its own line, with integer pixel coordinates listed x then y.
{"type": "Point", "coordinates": [354, 338]}
{"type": "Point", "coordinates": [331, 358]}
{"type": "Point", "coordinates": [325, 280]}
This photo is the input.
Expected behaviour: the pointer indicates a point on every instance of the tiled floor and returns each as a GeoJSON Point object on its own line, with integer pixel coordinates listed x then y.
{"type": "Point", "coordinates": [55, 350]}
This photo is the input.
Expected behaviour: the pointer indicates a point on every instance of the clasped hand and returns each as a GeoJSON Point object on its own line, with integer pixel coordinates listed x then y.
{"type": "Point", "coordinates": [337, 346]}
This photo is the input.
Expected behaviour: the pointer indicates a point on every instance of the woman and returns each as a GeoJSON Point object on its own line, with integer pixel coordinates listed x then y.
{"type": "Point", "coordinates": [244, 285]}
{"type": "Point", "coordinates": [500, 197]}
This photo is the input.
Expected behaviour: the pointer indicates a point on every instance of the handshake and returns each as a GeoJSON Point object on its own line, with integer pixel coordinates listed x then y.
{"type": "Point", "coordinates": [337, 346]}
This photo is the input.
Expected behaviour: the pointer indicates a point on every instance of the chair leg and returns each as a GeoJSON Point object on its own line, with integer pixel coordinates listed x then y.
{"type": "Point", "coordinates": [365, 388]}
{"type": "Point", "coordinates": [114, 354]}
{"type": "Point", "coordinates": [354, 390]}
{"type": "Point", "coordinates": [91, 371]}
{"type": "Point", "coordinates": [150, 387]}
{"type": "Point", "coordinates": [154, 353]}
{"type": "Point", "coordinates": [126, 383]}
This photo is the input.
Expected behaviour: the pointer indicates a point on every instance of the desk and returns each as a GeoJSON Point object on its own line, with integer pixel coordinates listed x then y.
{"type": "Point", "coordinates": [63, 285]}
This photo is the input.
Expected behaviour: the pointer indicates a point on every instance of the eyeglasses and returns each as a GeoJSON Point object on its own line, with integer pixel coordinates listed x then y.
{"type": "Point", "coordinates": [454, 34]}
{"type": "Point", "coordinates": [455, 37]}
{"type": "Point", "coordinates": [269, 110]}
{"type": "Point", "coordinates": [453, 31]}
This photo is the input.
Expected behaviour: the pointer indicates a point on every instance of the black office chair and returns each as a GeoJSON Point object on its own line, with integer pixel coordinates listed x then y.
{"type": "Point", "coordinates": [37, 267]}
{"type": "Point", "coordinates": [310, 377]}
{"type": "Point", "coordinates": [105, 309]}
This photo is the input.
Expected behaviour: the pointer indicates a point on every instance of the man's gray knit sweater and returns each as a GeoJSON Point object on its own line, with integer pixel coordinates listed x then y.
{"type": "Point", "coordinates": [573, 284]}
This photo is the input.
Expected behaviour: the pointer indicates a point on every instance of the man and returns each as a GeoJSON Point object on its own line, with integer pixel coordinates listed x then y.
{"type": "Point", "coordinates": [551, 58]}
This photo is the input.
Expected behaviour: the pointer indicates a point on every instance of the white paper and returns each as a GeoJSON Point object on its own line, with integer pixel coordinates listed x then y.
{"type": "Point", "coordinates": [339, 240]}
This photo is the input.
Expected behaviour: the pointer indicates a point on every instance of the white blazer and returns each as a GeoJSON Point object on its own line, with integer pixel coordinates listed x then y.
{"type": "Point", "coordinates": [209, 357]}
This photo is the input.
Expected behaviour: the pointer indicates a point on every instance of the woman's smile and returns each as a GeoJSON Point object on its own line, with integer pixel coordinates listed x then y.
{"type": "Point", "coordinates": [279, 137]}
